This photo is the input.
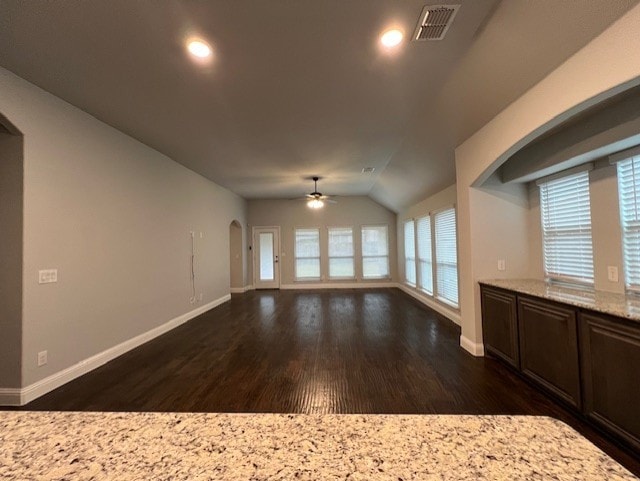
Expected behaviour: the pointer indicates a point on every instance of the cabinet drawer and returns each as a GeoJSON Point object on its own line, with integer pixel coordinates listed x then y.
{"type": "Point", "coordinates": [549, 347]}
{"type": "Point", "coordinates": [611, 374]}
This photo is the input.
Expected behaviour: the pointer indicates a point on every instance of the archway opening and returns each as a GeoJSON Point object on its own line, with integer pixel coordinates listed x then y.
{"type": "Point", "coordinates": [235, 257]}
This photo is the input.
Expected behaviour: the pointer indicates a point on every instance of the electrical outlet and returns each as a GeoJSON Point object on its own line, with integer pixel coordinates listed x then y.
{"type": "Point", "coordinates": [502, 265]}
{"type": "Point", "coordinates": [47, 276]}
{"type": "Point", "coordinates": [42, 358]}
{"type": "Point", "coordinates": [612, 273]}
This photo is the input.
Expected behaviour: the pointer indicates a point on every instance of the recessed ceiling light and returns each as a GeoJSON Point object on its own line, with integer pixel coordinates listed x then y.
{"type": "Point", "coordinates": [199, 48]}
{"type": "Point", "coordinates": [391, 38]}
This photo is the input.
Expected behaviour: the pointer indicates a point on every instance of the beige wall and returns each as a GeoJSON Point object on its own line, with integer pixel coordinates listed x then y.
{"type": "Point", "coordinates": [114, 217]}
{"type": "Point", "coordinates": [568, 90]}
{"type": "Point", "coordinates": [10, 260]}
{"type": "Point", "coordinates": [605, 225]}
{"type": "Point", "coordinates": [350, 211]}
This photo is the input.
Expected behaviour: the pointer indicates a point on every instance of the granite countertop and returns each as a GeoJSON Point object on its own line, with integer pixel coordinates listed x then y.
{"type": "Point", "coordinates": [600, 301]}
{"type": "Point", "coordinates": [190, 446]}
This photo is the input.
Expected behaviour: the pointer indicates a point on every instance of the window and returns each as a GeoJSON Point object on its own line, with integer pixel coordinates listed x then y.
{"type": "Point", "coordinates": [307, 249]}
{"type": "Point", "coordinates": [566, 229]}
{"type": "Point", "coordinates": [375, 252]}
{"type": "Point", "coordinates": [341, 253]}
{"type": "Point", "coordinates": [446, 257]}
{"type": "Point", "coordinates": [629, 195]}
{"type": "Point", "coordinates": [425, 265]}
{"type": "Point", "coordinates": [410, 252]}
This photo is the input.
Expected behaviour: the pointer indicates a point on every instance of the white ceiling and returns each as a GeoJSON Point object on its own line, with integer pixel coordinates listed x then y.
{"type": "Point", "coordinates": [297, 88]}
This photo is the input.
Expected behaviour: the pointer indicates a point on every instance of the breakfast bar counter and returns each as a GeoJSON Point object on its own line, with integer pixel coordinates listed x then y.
{"type": "Point", "coordinates": [192, 446]}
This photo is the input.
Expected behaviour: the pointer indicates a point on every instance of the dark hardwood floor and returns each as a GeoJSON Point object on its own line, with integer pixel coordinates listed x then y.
{"type": "Point", "coordinates": [333, 351]}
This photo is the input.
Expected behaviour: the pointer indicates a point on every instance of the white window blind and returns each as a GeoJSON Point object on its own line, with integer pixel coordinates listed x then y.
{"type": "Point", "coordinates": [307, 249]}
{"type": "Point", "coordinates": [446, 256]}
{"type": "Point", "coordinates": [375, 252]}
{"type": "Point", "coordinates": [566, 229]}
{"type": "Point", "coordinates": [341, 253]}
{"type": "Point", "coordinates": [629, 195]}
{"type": "Point", "coordinates": [410, 252]}
{"type": "Point", "coordinates": [425, 264]}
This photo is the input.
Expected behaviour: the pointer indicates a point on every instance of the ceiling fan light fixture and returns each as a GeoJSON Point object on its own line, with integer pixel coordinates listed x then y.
{"type": "Point", "coordinates": [315, 204]}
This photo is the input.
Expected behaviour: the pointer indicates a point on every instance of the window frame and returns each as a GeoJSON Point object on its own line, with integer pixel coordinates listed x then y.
{"type": "Point", "coordinates": [436, 294]}
{"type": "Point", "coordinates": [295, 255]}
{"type": "Point", "coordinates": [352, 256]}
{"type": "Point", "coordinates": [419, 280]}
{"type": "Point", "coordinates": [407, 258]}
{"type": "Point", "coordinates": [631, 156]}
{"type": "Point", "coordinates": [362, 256]}
{"type": "Point", "coordinates": [558, 277]}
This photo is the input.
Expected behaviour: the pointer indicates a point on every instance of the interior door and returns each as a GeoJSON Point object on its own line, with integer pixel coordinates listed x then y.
{"type": "Point", "coordinates": [266, 264]}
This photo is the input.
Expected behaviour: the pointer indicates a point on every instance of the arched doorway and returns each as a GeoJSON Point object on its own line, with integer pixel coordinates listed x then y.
{"type": "Point", "coordinates": [235, 257]}
{"type": "Point", "coordinates": [11, 257]}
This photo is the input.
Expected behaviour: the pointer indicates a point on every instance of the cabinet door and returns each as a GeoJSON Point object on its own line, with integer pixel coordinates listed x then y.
{"type": "Point", "coordinates": [611, 374]}
{"type": "Point", "coordinates": [500, 324]}
{"type": "Point", "coordinates": [549, 347]}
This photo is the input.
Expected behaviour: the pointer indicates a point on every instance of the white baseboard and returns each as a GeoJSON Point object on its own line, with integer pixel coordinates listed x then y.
{"type": "Point", "coordinates": [472, 347]}
{"type": "Point", "coordinates": [19, 397]}
{"type": "Point", "coordinates": [10, 396]}
{"type": "Point", "coordinates": [447, 312]}
{"type": "Point", "coordinates": [338, 285]}
{"type": "Point", "coordinates": [241, 290]}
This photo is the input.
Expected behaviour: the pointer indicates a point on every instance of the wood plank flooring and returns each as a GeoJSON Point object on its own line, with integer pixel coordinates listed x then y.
{"type": "Point", "coordinates": [330, 351]}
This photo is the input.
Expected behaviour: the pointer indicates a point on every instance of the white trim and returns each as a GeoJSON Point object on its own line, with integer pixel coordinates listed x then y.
{"type": "Point", "coordinates": [10, 397]}
{"type": "Point", "coordinates": [437, 306]}
{"type": "Point", "coordinates": [338, 285]}
{"type": "Point", "coordinates": [474, 348]}
{"type": "Point", "coordinates": [241, 290]}
{"type": "Point", "coordinates": [19, 397]}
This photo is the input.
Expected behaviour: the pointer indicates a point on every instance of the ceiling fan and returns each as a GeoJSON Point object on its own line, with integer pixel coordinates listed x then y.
{"type": "Point", "coordinates": [316, 200]}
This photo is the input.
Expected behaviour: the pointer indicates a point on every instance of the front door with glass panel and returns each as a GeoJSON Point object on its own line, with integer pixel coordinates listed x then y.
{"type": "Point", "coordinates": [266, 245]}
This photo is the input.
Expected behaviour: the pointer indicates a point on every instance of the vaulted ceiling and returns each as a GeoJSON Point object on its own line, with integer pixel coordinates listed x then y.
{"type": "Point", "coordinates": [297, 88]}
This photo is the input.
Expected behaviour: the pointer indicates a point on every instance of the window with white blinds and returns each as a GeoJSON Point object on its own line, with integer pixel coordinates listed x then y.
{"type": "Point", "coordinates": [566, 229]}
{"type": "Point", "coordinates": [425, 264]}
{"type": "Point", "coordinates": [410, 252]}
{"type": "Point", "coordinates": [341, 253]}
{"type": "Point", "coordinates": [629, 195]}
{"type": "Point", "coordinates": [446, 256]}
{"type": "Point", "coordinates": [307, 253]}
{"type": "Point", "coordinates": [375, 252]}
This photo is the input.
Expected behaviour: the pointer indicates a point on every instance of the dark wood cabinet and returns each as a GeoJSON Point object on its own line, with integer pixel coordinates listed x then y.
{"type": "Point", "coordinates": [500, 324]}
{"type": "Point", "coordinates": [549, 347]}
{"type": "Point", "coordinates": [610, 349]}
{"type": "Point", "coordinates": [588, 360]}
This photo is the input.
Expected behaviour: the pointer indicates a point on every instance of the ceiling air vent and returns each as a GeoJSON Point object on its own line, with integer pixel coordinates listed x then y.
{"type": "Point", "coordinates": [434, 22]}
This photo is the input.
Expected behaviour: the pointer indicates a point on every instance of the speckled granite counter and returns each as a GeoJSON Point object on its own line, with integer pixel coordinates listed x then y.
{"type": "Point", "coordinates": [163, 446]}
{"type": "Point", "coordinates": [605, 302]}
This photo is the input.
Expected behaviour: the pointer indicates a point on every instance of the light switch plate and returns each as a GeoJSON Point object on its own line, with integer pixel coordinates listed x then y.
{"type": "Point", "coordinates": [42, 358]}
{"type": "Point", "coordinates": [47, 276]}
{"type": "Point", "coordinates": [612, 273]}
